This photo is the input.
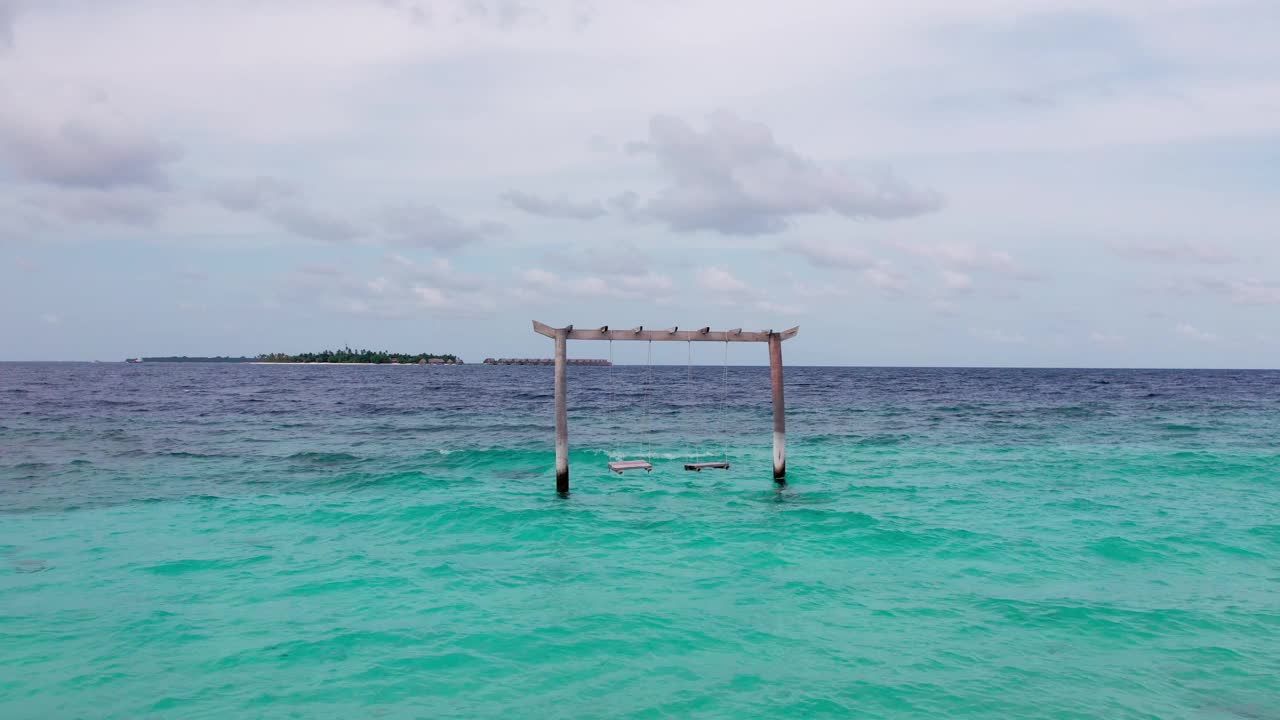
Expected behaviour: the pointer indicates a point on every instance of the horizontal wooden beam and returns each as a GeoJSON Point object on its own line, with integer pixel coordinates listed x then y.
{"type": "Point", "coordinates": [668, 335]}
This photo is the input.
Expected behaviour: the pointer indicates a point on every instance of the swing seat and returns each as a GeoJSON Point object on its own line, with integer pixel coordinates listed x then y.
{"type": "Point", "coordinates": [619, 466]}
{"type": "Point", "coordinates": [699, 467]}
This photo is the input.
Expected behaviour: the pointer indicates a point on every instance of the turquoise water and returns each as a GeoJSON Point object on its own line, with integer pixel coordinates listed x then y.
{"type": "Point", "coordinates": [245, 541]}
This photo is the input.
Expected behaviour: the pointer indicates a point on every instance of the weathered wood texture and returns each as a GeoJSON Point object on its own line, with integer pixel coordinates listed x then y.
{"type": "Point", "coordinates": [699, 467]}
{"type": "Point", "coordinates": [562, 416]}
{"type": "Point", "coordinates": [779, 411]}
{"type": "Point", "coordinates": [667, 335]}
{"type": "Point", "coordinates": [619, 465]}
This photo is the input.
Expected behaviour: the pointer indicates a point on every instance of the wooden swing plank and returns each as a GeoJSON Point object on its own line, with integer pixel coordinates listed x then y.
{"type": "Point", "coordinates": [699, 467]}
{"type": "Point", "coordinates": [619, 465]}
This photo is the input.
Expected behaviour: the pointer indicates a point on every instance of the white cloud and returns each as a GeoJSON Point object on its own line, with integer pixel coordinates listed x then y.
{"type": "Point", "coordinates": [403, 288]}
{"type": "Point", "coordinates": [542, 285]}
{"type": "Point", "coordinates": [1191, 332]}
{"type": "Point", "coordinates": [431, 297]}
{"type": "Point", "coordinates": [50, 319]}
{"type": "Point", "coordinates": [1104, 338]}
{"type": "Point", "coordinates": [725, 288]}
{"type": "Point", "coordinates": [437, 272]}
{"type": "Point", "coordinates": [539, 277]}
{"type": "Point", "coordinates": [721, 281]}
{"type": "Point", "coordinates": [882, 276]}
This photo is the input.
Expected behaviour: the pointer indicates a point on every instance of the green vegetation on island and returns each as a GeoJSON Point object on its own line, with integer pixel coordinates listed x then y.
{"type": "Point", "coordinates": [371, 357]}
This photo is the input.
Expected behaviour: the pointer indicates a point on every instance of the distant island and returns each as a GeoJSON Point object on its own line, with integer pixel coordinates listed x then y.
{"type": "Point", "coordinates": [184, 358]}
{"type": "Point", "coordinates": [347, 356]}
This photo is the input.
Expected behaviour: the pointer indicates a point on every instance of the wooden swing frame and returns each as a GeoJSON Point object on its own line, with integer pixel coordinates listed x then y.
{"type": "Point", "coordinates": [563, 335]}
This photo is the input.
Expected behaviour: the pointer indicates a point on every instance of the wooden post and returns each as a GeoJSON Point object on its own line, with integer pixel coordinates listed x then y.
{"type": "Point", "coordinates": [779, 410]}
{"type": "Point", "coordinates": [562, 415]}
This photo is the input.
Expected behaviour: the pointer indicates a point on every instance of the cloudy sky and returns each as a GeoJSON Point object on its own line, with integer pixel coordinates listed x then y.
{"type": "Point", "coordinates": [993, 182]}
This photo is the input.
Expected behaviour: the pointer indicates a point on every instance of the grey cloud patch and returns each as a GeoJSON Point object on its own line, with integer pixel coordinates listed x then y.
{"type": "Point", "coordinates": [503, 13]}
{"type": "Point", "coordinates": [97, 206]}
{"type": "Point", "coordinates": [80, 155]}
{"type": "Point", "coordinates": [282, 203]}
{"type": "Point", "coordinates": [42, 209]}
{"type": "Point", "coordinates": [555, 207]}
{"type": "Point", "coordinates": [91, 145]}
{"type": "Point", "coordinates": [418, 12]}
{"type": "Point", "coordinates": [8, 8]}
{"type": "Point", "coordinates": [408, 225]}
{"type": "Point", "coordinates": [254, 194]}
{"type": "Point", "coordinates": [312, 223]}
{"type": "Point", "coordinates": [426, 226]}
{"type": "Point", "coordinates": [619, 259]}
{"type": "Point", "coordinates": [627, 204]}
{"type": "Point", "coordinates": [736, 179]}
{"type": "Point", "coordinates": [8, 18]}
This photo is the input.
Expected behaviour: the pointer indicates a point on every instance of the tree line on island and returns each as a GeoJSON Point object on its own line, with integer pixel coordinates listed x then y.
{"type": "Point", "coordinates": [371, 357]}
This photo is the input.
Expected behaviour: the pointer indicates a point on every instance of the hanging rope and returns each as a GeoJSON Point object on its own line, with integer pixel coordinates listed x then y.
{"type": "Point", "coordinates": [613, 400]}
{"type": "Point", "coordinates": [692, 424]}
